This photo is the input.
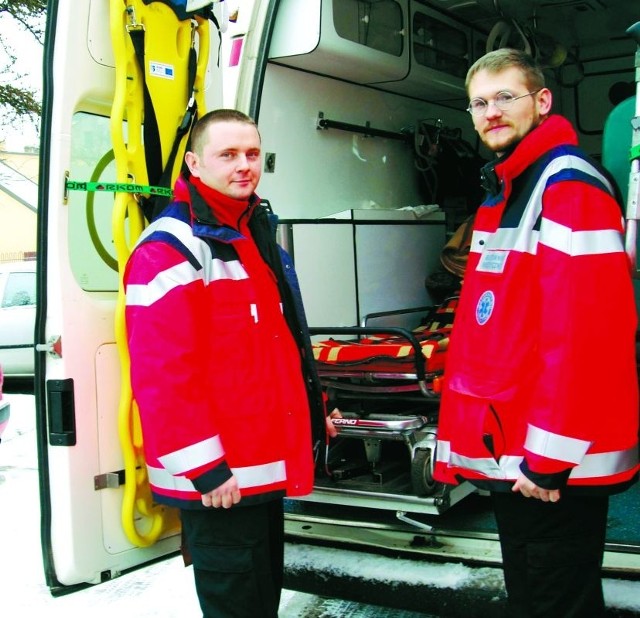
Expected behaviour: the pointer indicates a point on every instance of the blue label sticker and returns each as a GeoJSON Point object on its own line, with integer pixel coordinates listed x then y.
{"type": "Point", "coordinates": [159, 69]}
{"type": "Point", "coordinates": [484, 308]}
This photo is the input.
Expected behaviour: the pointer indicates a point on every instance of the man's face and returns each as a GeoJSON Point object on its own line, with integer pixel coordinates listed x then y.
{"type": "Point", "coordinates": [230, 161]}
{"type": "Point", "coordinates": [501, 129]}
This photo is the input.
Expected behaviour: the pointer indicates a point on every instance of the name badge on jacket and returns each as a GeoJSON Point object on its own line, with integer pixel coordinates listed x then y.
{"type": "Point", "coordinates": [492, 261]}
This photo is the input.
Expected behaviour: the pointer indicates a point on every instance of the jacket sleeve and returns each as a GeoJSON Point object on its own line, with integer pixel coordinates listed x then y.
{"type": "Point", "coordinates": [163, 316]}
{"type": "Point", "coordinates": [586, 331]}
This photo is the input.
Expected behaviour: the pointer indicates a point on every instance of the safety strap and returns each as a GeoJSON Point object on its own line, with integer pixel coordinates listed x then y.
{"type": "Point", "coordinates": [159, 176]}
{"type": "Point", "coordinates": [154, 205]}
{"type": "Point", "coordinates": [152, 146]}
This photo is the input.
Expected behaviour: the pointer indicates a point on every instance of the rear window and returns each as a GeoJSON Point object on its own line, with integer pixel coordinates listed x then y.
{"type": "Point", "coordinates": [20, 290]}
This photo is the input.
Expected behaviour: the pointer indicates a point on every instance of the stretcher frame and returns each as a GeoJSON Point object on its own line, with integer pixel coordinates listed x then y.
{"type": "Point", "coordinates": [402, 407]}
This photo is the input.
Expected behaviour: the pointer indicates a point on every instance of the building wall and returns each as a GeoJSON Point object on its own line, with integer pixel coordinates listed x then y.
{"type": "Point", "coordinates": [17, 221]}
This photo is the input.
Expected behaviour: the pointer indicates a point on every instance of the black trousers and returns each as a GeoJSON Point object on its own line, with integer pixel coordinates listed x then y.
{"type": "Point", "coordinates": [552, 554]}
{"type": "Point", "coordinates": [238, 559]}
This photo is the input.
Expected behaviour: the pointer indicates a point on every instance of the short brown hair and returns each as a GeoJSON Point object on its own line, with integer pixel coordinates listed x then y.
{"type": "Point", "coordinates": [198, 133]}
{"type": "Point", "coordinates": [505, 58]}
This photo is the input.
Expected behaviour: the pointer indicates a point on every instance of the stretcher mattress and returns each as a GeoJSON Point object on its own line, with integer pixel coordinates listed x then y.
{"type": "Point", "coordinates": [391, 353]}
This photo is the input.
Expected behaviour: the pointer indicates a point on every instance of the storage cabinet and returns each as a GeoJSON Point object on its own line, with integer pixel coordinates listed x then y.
{"type": "Point", "coordinates": [440, 55]}
{"type": "Point", "coordinates": [438, 45]}
{"type": "Point", "coordinates": [401, 46]}
{"type": "Point", "coordinates": [356, 40]}
{"type": "Point", "coordinates": [378, 25]}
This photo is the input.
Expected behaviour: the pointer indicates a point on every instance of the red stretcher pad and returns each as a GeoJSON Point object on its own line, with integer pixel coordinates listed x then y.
{"type": "Point", "coordinates": [390, 353]}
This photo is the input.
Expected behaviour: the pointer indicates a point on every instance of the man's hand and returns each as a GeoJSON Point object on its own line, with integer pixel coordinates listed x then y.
{"type": "Point", "coordinates": [332, 430]}
{"type": "Point", "coordinates": [530, 490]}
{"type": "Point", "coordinates": [224, 496]}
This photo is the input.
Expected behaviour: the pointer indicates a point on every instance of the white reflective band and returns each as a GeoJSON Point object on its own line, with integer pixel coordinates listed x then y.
{"type": "Point", "coordinates": [507, 468]}
{"type": "Point", "coordinates": [160, 478]}
{"type": "Point", "coordinates": [518, 239]}
{"type": "Point", "coordinates": [595, 242]}
{"type": "Point", "coordinates": [479, 241]}
{"type": "Point", "coordinates": [247, 477]}
{"type": "Point", "coordinates": [181, 230]}
{"type": "Point", "coordinates": [443, 450]}
{"type": "Point", "coordinates": [146, 294]}
{"type": "Point", "coordinates": [606, 464]}
{"type": "Point", "coordinates": [213, 269]}
{"type": "Point", "coordinates": [525, 237]}
{"type": "Point", "coordinates": [258, 476]}
{"type": "Point", "coordinates": [596, 465]}
{"type": "Point", "coordinates": [555, 446]}
{"type": "Point", "coordinates": [193, 456]}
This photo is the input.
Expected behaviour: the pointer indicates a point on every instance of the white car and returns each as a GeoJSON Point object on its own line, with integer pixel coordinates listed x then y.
{"type": "Point", "coordinates": [5, 409]}
{"type": "Point", "coordinates": [17, 317]}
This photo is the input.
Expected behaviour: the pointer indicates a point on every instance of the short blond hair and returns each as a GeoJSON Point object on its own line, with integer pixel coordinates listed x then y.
{"type": "Point", "coordinates": [505, 58]}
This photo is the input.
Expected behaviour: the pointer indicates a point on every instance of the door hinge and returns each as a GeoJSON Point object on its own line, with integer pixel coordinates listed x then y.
{"type": "Point", "coordinates": [108, 480]}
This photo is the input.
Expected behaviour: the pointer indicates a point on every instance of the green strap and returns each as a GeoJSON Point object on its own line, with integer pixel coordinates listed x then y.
{"type": "Point", "coordinates": [117, 187]}
{"type": "Point", "coordinates": [634, 153]}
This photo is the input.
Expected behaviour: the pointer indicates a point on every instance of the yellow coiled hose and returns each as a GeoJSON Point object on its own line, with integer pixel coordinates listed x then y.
{"type": "Point", "coordinates": [168, 42]}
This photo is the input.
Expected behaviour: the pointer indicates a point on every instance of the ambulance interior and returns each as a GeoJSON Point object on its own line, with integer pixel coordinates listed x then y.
{"type": "Point", "coordinates": [391, 173]}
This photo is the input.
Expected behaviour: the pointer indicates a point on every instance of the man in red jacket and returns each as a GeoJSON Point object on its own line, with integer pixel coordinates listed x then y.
{"type": "Point", "coordinates": [222, 370]}
{"type": "Point", "coordinates": [518, 416]}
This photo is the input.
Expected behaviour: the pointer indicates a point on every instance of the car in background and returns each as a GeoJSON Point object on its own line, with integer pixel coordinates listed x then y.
{"type": "Point", "coordinates": [17, 317]}
{"type": "Point", "coordinates": [5, 409]}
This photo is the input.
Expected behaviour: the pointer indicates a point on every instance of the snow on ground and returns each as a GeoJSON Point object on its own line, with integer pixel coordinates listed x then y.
{"type": "Point", "coordinates": [166, 588]}
{"type": "Point", "coordinates": [163, 589]}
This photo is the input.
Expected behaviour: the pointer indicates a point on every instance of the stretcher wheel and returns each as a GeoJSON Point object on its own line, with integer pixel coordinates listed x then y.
{"type": "Point", "coordinates": [422, 481]}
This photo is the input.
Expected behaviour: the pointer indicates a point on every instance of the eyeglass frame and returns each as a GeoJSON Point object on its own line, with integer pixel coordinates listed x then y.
{"type": "Point", "coordinates": [509, 104]}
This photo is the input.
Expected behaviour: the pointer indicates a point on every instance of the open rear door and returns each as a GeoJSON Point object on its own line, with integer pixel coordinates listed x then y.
{"type": "Point", "coordinates": [97, 517]}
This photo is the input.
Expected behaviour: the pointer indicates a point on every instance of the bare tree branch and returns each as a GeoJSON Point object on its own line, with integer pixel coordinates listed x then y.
{"type": "Point", "coordinates": [28, 13]}
{"type": "Point", "coordinates": [19, 103]}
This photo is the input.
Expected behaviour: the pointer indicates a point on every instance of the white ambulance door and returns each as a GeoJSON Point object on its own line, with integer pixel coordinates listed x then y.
{"type": "Point", "coordinates": [85, 471]}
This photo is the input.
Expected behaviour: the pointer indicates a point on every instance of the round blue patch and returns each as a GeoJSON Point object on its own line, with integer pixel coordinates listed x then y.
{"type": "Point", "coordinates": [484, 308]}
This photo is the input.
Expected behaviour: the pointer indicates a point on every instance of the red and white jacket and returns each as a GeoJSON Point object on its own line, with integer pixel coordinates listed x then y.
{"type": "Point", "coordinates": [221, 380]}
{"type": "Point", "coordinates": [540, 376]}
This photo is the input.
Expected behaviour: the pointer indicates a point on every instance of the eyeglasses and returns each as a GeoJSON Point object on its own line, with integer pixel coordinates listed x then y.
{"type": "Point", "coordinates": [503, 101]}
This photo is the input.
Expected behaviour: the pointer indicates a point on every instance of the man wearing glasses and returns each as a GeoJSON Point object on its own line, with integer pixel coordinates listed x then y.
{"type": "Point", "coordinates": [519, 414]}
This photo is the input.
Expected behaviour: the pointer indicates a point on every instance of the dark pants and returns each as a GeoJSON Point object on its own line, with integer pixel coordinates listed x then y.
{"type": "Point", "coordinates": [552, 554]}
{"type": "Point", "coordinates": [238, 558]}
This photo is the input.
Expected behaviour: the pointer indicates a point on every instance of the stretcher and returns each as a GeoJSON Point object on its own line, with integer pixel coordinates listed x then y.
{"type": "Point", "coordinates": [386, 383]}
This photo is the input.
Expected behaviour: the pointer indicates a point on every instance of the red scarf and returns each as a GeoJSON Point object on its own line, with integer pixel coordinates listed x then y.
{"type": "Point", "coordinates": [228, 211]}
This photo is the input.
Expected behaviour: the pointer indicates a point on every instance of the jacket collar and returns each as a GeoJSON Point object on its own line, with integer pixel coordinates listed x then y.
{"type": "Point", "coordinates": [213, 208]}
{"type": "Point", "coordinates": [554, 131]}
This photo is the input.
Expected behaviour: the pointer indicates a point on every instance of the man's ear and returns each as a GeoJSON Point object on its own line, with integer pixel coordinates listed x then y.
{"type": "Point", "coordinates": [545, 100]}
{"type": "Point", "coordinates": [191, 159]}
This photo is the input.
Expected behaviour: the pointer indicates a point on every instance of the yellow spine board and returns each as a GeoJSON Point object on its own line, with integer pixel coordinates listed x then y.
{"type": "Point", "coordinates": [167, 44]}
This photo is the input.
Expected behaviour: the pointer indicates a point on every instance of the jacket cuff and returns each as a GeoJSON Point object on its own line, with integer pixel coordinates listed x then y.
{"type": "Point", "coordinates": [212, 478]}
{"type": "Point", "coordinates": [556, 480]}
